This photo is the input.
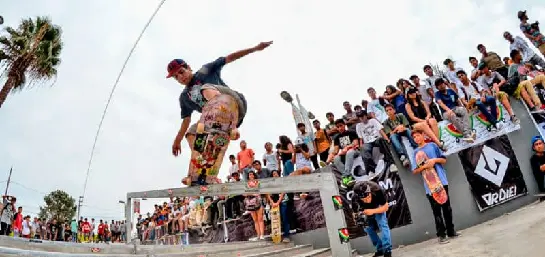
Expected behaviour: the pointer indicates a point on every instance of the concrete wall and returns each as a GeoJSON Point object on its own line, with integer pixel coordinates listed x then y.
{"type": "Point", "coordinates": [465, 210]}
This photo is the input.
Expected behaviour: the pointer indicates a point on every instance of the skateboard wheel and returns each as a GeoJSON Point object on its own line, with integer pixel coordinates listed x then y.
{"type": "Point", "coordinates": [234, 135]}
{"type": "Point", "coordinates": [489, 128]}
{"type": "Point", "coordinates": [200, 128]}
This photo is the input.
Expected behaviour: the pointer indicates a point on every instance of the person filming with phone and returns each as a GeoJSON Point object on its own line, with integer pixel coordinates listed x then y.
{"type": "Point", "coordinates": [7, 214]}
{"type": "Point", "coordinates": [370, 205]}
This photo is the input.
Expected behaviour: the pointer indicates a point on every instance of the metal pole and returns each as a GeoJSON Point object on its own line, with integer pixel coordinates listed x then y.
{"type": "Point", "coordinates": [9, 179]}
{"type": "Point", "coordinates": [80, 201]}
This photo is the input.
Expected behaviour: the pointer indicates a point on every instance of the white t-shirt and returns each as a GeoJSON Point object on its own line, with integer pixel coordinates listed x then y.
{"type": "Point", "coordinates": [272, 162]}
{"type": "Point", "coordinates": [486, 81]}
{"type": "Point", "coordinates": [423, 90]}
{"type": "Point", "coordinates": [430, 82]}
{"type": "Point", "coordinates": [26, 228]}
{"type": "Point", "coordinates": [470, 90]}
{"type": "Point", "coordinates": [94, 228]}
{"type": "Point", "coordinates": [452, 77]}
{"type": "Point", "coordinates": [233, 169]}
{"type": "Point", "coordinates": [522, 46]}
{"type": "Point", "coordinates": [369, 131]}
{"type": "Point", "coordinates": [301, 161]}
{"type": "Point", "coordinates": [308, 139]}
{"type": "Point", "coordinates": [374, 107]}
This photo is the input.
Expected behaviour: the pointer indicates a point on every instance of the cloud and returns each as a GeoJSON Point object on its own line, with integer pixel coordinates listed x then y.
{"type": "Point", "coordinates": [327, 52]}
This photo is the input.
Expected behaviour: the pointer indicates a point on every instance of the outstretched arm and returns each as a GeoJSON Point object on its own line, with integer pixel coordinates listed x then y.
{"type": "Point", "coordinates": [238, 54]}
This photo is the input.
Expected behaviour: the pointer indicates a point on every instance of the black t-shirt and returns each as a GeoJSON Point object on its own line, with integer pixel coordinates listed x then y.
{"type": "Point", "coordinates": [191, 98]}
{"type": "Point", "coordinates": [378, 199]}
{"type": "Point", "coordinates": [536, 161]}
{"type": "Point", "coordinates": [54, 228]}
{"type": "Point", "coordinates": [345, 139]}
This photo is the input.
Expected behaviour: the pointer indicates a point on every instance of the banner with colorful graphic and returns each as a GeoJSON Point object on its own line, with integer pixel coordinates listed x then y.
{"type": "Point", "coordinates": [386, 176]}
{"type": "Point", "coordinates": [539, 121]}
{"type": "Point", "coordinates": [493, 172]}
{"type": "Point", "coordinates": [452, 137]}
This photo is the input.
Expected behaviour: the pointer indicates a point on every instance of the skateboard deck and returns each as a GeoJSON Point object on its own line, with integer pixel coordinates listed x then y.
{"type": "Point", "coordinates": [432, 179]}
{"type": "Point", "coordinates": [276, 225]}
{"type": "Point", "coordinates": [215, 129]}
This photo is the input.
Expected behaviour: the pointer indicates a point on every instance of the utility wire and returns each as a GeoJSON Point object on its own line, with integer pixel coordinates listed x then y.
{"type": "Point", "coordinates": [112, 92]}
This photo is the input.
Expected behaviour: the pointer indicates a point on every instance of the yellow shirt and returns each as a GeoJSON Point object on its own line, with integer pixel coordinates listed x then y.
{"type": "Point", "coordinates": [322, 142]}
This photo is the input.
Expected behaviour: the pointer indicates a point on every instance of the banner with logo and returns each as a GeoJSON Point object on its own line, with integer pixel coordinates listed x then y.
{"type": "Point", "coordinates": [386, 176]}
{"type": "Point", "coordinates": [493, 172]}
{"type": "Point", "coordinates": [136, 206]}
{"type": "Point", "coordinates": [539, 121]}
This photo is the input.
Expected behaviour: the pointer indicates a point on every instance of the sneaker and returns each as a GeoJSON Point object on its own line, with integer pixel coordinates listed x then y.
{"type": "Point", "coordinates": [378, 253]}
{"type": "Point", "coordinates": [286, 240]}
{"type": "Point", "coordinates": [261, 238]}
{"type": "Point", "coordinates": [443, 240]}
{"type": "Point", "coordinates": [542, 107]}
{"type": "Point", "coordinates": [296, 198]}
{"type": "Point", "coordinates": [393, 168]}
{"type": "Point", "coordinates": [246, 213]}
{"type": "Point", "coordinates": [371, 175]}
{"type": "Point", "coordinates": [347, 181]}
{"type": "Point", "coordinates": [323, 164]}
{"type": "Point", "coordinates": [533, 109]}
{"type": "Point", "coordinates": [402, 158]}
{"type": "Point", "coordinates": [515, 120]}
{"type": "Point", "coordinates": [455, 235]}
{"type": "Point", "coordinates": [468, 139]}
{"type": "Point", "coordinates": [388, 254]}
{"type": "Point", "coordinates": [442, 146]}
{"type": "Point", "coordinates": [493, 128]}
{"type": "Point", "coordinates": [406, 162]}
{"type": "Point", "coordinates": [253, 239]}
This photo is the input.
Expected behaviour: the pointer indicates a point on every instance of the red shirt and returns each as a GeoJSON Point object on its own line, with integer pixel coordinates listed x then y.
{"type": "Point", "coordinates": [101, 229]}
{"type": "Point", "coordinates": [86, 227]}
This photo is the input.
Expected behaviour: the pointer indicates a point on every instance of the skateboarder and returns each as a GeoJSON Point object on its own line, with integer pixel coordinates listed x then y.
{"type": "Point", "coordinates": [202, 85]}
{"type": "Point", "coordinates": [372, 202]}
{"type": "Point", "coordinates": [442, 213]}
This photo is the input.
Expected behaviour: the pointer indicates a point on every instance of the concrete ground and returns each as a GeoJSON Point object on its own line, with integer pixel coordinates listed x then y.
{"type": "Point", "coordinates": [517, 234]}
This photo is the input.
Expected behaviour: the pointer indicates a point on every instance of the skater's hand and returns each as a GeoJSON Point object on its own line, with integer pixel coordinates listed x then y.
{"type": "Point", "coordinates": [450, 113]}
{"type": "Point", "coordinates": [542, 167]}
{"type": "Point", "coordinates": [176, 148]}
{"type": "Point", "coordinates": [368, 212]}
{"type": "Point", "coordinates": [263, 45]}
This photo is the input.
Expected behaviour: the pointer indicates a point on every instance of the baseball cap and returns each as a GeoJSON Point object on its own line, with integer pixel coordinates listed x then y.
{"type": "Point", "coordinates": [299, 141]}
{"type": "Point", "coordinates": [521, 14]}
{"type": "Point", "coordinates": [535, 139]}
{"type": "Point", "coordinates": [175, 66]}
{"type": "Point", "coordinates": [412, 90]}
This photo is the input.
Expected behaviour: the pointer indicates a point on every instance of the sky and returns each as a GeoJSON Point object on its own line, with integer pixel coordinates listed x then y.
{"type": "Point", "coordinates": [325, 51]}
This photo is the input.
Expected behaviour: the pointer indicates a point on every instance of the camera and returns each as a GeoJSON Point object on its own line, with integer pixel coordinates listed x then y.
{"type": "Point", "coordinates": [361, 220]}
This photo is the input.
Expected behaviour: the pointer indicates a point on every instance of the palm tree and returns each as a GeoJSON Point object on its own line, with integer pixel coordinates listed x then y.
{"type": "Point", "coordinates": [29, 54]}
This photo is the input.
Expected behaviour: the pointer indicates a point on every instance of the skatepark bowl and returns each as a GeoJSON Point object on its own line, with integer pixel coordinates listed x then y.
{"type": "Point", "coordinates": [324, 241]}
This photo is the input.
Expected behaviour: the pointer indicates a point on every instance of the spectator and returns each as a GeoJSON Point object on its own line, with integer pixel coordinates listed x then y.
{"type": "Point", "coordinates": [528, 55]}
{"type": "Point", "coordinates": [371, 135]}
{"type": "Point", "coordinates": [254, 206]}
{"type": "Point", "coordinates": [301, 158]}
{"type": "Point", "coordinates": [309, 140]}
{"type": "Point", "coordinates": [475, 73]}
{"type": "Point", "coordinates": [492, 60]}
{"type": "Point", "coordinates": [7, 215]}
{"type": "Point", "coordinates": [286, 214]}
{"type": "Point", "coordinates": [473, 91]}
{"type": "Point", "coordinates": [395, 127]}
{"type": "Point", "coordinates": [430, 80]}
{"type": "Point", "coordinates": [531, 31]}
{"type": "Point", "coordinates": [396, 97]}
{"type": "Point", "coordinates": [74, 229]}
{"type": "Point", "coordinates": [451, 71]}
{"type": "Point", "coordinates": [330, 128]}
{"type": "Point", "coordinates": [271, 159]}
{"type": "Point", "coordinates": [371, 201]}
{"type": "Point", "coordinates": [453, 111]}
{"type": "Point", "coordinates": [375, 108]}
{"type": "Point", "coordinates": [245, 159]}
{"type": "Point", "coordinates": [101, 228]}
{"type": "Point", "coordinates": [86, 230]}
{"type": "Point", "coordinates": [420, 117]}
{"type": "Point", "coordinates": [260, 171]}
{"type": "Point", "coordinates": [54, 229]}
{"type": "Point", "coordinates": [421, 89]}
{"type": "Point", "coordinates": [286, 152]}
{"type": "Point", "coordinates": [434, 159]}
{"type": "Point", "coordinates": [18, 222]}
{"type": "Point", "coordinates": [492, 82]}
{"type": "Point", "coordinates": [234, 166]}
{"type": "Point", "coordinates": [35, 228]}
{"type": "Point", "coordinates": [350, 117]}
{"type": "Point", "coordinates": [93, 230]}
{"type": "Point", "coordinates": [322, 141]}
{"type": "Point", "coordinates": [346, 149]}
{"type": "Point", "coordinates": [26, 227]}
{"type": "Point", "coordinates": [537, 162]}
{"type": "Point", "coordinates": [68, 233]}
{"type": "Point", "coordinates": [522, 86]}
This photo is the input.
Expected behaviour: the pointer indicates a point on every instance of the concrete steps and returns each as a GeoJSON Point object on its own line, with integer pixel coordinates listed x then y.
{"type": "Point", "coordinates": [24, 247]}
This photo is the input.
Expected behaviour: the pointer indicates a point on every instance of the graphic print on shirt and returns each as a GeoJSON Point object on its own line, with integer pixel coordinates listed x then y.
{"type": "Point", "coordinates": [344, 141]}
{"type": "Point", "coordinates": [196, 96]}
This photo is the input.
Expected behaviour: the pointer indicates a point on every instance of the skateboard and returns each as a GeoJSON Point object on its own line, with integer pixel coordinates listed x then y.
{"type": "Point", "coordinates": [432, 179]}
{"type": "Point", "coordinates": [276, 225]}
{"type": "Point", "coordinates": [215, 129]}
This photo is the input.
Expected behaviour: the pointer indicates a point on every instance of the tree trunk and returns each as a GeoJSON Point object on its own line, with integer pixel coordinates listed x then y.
{"type": "Point", "coordinates": [10, 83]}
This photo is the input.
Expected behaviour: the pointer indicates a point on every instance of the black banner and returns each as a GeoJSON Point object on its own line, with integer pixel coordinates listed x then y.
{"type": "Point", "coordinates": [386, 176]}
{"type": "Point", "coordinates": [493, 172]}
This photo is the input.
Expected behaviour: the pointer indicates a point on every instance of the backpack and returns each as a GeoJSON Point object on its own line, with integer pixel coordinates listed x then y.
{"type": "Point", "coordinates": [465, 92]}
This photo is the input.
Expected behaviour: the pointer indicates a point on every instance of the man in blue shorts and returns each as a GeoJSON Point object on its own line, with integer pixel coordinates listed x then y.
{"type": "Point", "coordinates": [199, 86]}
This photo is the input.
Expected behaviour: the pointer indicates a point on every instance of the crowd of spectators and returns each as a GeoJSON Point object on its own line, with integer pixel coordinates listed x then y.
{"type": "Point", "coordinates": [14, 223]}
{"type": "Point", "coordinates": [410, 104]}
